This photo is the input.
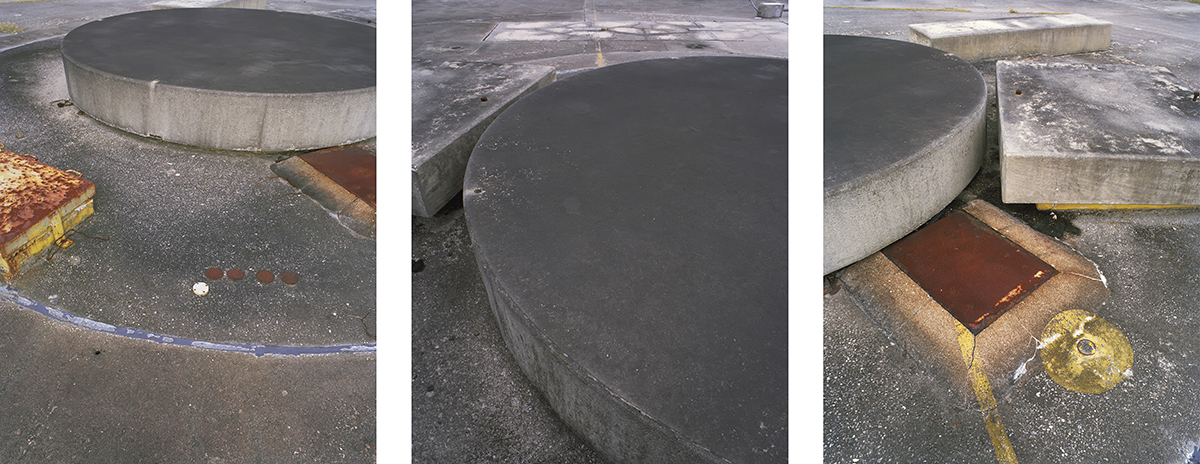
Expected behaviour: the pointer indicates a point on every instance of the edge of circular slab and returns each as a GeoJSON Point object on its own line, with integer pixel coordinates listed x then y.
{"type": "Point", "coordinates": [226, 78]}
{"type": "Point", "coordinates": [904, 134]}
{"type": "Point", "coordinates": [630, 224]}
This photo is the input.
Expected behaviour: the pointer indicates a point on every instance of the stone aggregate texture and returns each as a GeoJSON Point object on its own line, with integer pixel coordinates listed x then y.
{"type": "Point", "coordinates": [882, 406]}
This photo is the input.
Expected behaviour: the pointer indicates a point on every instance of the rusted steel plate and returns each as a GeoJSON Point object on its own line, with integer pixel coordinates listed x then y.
{"type": "Point", "coordinates": [351, 167]}
{"type": "Point", "coordinates": [969, 268]}
{"type": "Point", "coordinates": [38, 204]}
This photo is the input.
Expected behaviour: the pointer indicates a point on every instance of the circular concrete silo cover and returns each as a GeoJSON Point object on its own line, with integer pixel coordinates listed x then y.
{"type": "Point", "coordinates": [228, 78]}
{"type": "Point", "coordinates": [630, 223]}
{"type": "Point", "coordinates": [903, 135]}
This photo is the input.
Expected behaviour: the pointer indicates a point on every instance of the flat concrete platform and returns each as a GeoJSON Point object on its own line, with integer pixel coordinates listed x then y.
{"type": "Point", "coordinates": [297, 82]}
{"type": "Point", "coordinates": [904, 133]}
{"type": "Point", "coordinates": [453, 102]}
{"type": "Point", "coordinates": [1097, 134]}
{"type": "Point", "coordinates": [996, 38]}
{"type": "Point", "coordinates": [630, 224]}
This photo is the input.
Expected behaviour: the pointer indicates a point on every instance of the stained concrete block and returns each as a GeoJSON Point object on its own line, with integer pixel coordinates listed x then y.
{"type": "Point", "coordinates": [996, 38]}
{"type": "Point", "coordinates": [1089, 133]}
{"type": "Point", "coordinates": [453, 103]}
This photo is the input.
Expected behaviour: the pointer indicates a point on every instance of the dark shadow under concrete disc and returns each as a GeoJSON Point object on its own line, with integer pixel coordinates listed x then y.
{"type": "Point", "coordinates": [631, 226]}
{"type": "Point", "coordinates": [904, 134]}
{"type": "Point", "coordinates": [227, 77]}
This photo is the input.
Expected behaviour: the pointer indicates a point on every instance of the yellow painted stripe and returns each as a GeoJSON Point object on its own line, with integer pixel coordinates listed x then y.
{"type": "Point", "coordinates": [1066, 206]}
{"type": "Point", "coordinates": [599, 55]}
{"type": "Point", "coordinates": [987, 401]}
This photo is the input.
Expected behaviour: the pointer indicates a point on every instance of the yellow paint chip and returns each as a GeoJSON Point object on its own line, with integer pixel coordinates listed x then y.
{"type": "Point", "coordinates": [1005, 453]}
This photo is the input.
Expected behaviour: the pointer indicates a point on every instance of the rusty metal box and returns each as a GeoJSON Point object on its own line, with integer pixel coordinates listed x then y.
{"type": "Point", "coordinates": [39, 204]}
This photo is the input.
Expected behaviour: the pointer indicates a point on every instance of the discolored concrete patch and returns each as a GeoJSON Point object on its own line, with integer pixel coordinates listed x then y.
{"type": "Point", "coordinates": [1005, 350]}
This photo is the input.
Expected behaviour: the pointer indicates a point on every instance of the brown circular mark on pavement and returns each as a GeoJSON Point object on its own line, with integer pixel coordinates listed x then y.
{"type": "Point", "coordinates": [213, 273]}
{"type": "Point", "coordinates": [265, 277]}
{"type": "Point", "coordinates": [236, 274]}
{"type": "Point", "coordinates": [289, 278]}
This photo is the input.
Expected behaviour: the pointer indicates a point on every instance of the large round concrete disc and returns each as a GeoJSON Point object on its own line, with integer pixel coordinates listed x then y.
{"type": "Point", "coordinates": [631, 225]}
{"type": "Point", "coordinates": [904, 134]}
{"type": "Point", "coordinates": [226, 78]}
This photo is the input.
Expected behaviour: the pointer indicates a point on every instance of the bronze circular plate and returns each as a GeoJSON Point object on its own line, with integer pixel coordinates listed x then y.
{"type": "Point", "coordinates": [213, 273]}
{"type": "Point", "coordinates": [236, 274]}
{"type": "Point", "coordinates": [1085, 353]}
{"type": "Point", "coordinates": [265, 277]}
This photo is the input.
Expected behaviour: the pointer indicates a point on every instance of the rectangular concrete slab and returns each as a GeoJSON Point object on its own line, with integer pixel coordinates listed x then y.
{"type": "Point", "coordinates": [165, 4]}
{"type": "Point", "coordinates": [1097, 134]}
{"type": "Point", "coordinates": [452, 104]}
{"type": "Point", "coordinates": [995, 38]}
{"type": "Point", "coordinates": [539, 31]}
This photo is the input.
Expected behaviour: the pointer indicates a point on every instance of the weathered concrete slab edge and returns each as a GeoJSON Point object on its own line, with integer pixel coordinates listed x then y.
{"type": "Point", "coordinates": [901, 197]}
{"type": "Point", "coordinates": [985, 39]}
{"type": "Point", "coordinates": [614, 427]}
{"type": "Point", "coordinates": [437, 173]}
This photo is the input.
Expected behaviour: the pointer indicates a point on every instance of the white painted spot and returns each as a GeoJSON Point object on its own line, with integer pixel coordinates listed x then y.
{"type": "Point", "coordinates": [218, 346]}
{"type": "Point", "coordinates": [200, 288]}
{"type": "Point", "coordinates": [1020, 371]}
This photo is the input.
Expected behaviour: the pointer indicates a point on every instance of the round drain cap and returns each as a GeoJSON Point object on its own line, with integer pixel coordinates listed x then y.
{"type": "Point", "coordinates": [1085, 353]}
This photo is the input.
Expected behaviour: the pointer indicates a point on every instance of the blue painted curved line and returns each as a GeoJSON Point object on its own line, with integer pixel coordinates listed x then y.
{"type": "Point", "coordinates": [10, 294]}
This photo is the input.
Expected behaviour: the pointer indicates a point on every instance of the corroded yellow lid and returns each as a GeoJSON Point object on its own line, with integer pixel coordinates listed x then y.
{"type": "Point", "coordinates": [1085, 353]}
